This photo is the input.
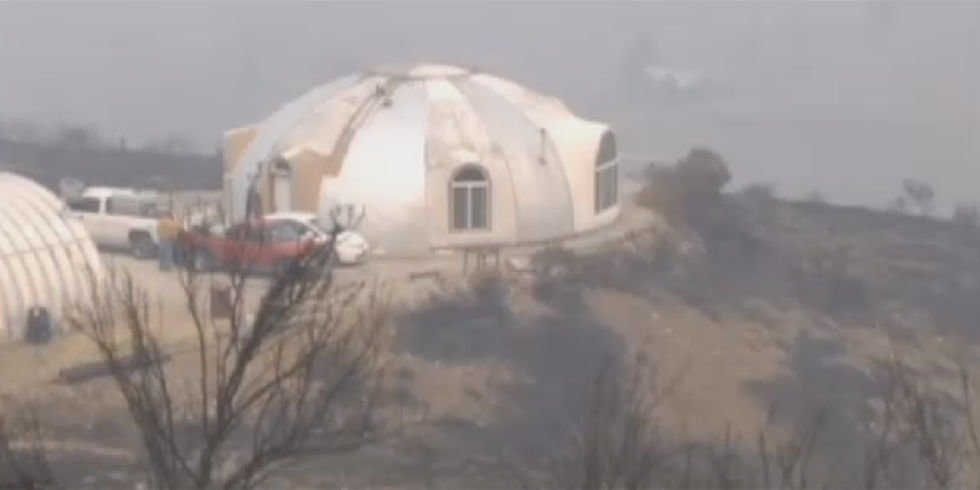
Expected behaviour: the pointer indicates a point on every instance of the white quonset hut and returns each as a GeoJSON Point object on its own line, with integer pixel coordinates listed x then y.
{"type": "Point", "coordinates": [46, 257]}
{"type": "Point", "coordinates": [436, 156]}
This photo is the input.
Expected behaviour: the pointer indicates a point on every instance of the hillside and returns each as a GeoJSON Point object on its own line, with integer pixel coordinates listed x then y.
{"type": "Point", "coordinates": [753, 319]}
{"type": "Point", "coordinates": [782, 325]}
{"type": "Point", "coordinates": [97, 164]}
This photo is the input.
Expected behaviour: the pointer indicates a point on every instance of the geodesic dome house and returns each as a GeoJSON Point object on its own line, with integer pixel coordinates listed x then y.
{"type": "Point", "coordinates": [433, 156]}
{"type": "Point", "coordinates": [47, 259]}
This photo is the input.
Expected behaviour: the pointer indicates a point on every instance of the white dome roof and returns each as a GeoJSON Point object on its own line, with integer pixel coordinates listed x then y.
{"type": "Point", "coordinates": [384, 138]}
{"type": "Point", "coordinates": [46, 258]}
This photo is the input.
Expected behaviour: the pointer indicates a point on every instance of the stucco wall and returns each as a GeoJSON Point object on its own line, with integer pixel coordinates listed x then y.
{"type": "Point", "coordinates": [454, 137]}
{"type": "Point", "coordinates": [383, 171]}
{"type": "Point", "coordinates": [391, 143]}
{"type": "Point", "coordinates": [577, 141]}
{"type": "Point", "coordinates": [235, 142]}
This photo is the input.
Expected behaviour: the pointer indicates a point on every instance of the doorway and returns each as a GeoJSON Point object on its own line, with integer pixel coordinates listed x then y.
{"type": "Point", "coordinates": [282, 186]}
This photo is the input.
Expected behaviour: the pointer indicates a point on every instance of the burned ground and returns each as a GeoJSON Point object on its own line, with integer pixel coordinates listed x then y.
{"type": "Point", "coordinates": [493, 371]}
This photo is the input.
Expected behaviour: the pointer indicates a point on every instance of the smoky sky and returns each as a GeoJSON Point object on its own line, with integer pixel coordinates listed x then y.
{"type": "Point", "coordinates": [845, 98]}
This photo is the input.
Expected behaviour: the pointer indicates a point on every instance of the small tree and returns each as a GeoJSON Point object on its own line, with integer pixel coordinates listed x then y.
{"type": "Point", "coordinates": [296, 375]}
{"type": "Point", "coordinates": [920, 194]}
{"type": "Point", "coordinates": [690, 191]}
{"type": "Point", "coordinates": [703, 172]}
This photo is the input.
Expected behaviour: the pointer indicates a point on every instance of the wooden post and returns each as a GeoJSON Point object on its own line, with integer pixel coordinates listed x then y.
{"type": "Point", "coordinates": [221, 307]}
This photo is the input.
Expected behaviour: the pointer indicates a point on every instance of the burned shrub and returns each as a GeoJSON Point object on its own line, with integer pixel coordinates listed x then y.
{"type": "Point", "coordinates": [555, 272]}
{"type": "Point", "coordinates": [690, 191]}
{"type": "Point", "coordinates": [921, 194]}
{"type": "Point", "coordinates": [702, 171]}
{"type": "Point", "coordinates": [756, 203]}
{"type": "Point", "coordinates": [825, 282]}
{"type": "Point", "coordinates": [758, 193]}
{"type": "Point", "coordinates": [489, 289]}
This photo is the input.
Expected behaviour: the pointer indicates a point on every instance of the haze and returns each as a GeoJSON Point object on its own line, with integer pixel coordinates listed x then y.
{"type": "Point", "coordinates": [847, 99]}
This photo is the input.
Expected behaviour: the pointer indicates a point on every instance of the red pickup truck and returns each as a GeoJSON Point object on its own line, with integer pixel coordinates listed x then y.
{"type": "Point", "coordinates": [265, 245]}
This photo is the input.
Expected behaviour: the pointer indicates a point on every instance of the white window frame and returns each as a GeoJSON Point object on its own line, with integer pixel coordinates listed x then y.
{"type": "Point", "coordinates": [469, 186]}
{"type": "Point", "coordinates": [602, 198]}
{"type": "Point", "coordinates": [602, 172]}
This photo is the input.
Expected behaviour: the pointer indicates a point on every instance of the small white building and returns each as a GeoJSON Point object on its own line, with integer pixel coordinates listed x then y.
{"type": "Point", "coordinates": [46, 257]}
{"type": "Point", "coordinates": [436, 156]}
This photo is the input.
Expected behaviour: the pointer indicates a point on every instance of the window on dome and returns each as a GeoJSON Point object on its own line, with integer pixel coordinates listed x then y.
{"type": "Point", "coordinates": [469, 200]}
{"type": "Point", "coordinates": [606, 176]}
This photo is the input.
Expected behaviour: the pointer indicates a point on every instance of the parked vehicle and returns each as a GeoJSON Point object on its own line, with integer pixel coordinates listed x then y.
{"type": "Point", "coordinates": [267, 245]}
{"type": "Point", "coordinates": [350, 247]}
{"type": "Point", "coordinates": [120, 218]}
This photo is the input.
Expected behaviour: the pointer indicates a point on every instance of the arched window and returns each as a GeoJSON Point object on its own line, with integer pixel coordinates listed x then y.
{"type": "Point", "coordinates": [469, 200]}
{"type": "Point", "coordinates": [606, 178]}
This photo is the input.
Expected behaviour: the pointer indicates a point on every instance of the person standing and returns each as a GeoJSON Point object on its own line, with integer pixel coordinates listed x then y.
{"type": "Point", "coordinates": [168, 229]}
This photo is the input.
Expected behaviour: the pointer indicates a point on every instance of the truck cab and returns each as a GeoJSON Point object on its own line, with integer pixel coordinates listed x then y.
{"type": "Point", "coordinates": [120, 218]}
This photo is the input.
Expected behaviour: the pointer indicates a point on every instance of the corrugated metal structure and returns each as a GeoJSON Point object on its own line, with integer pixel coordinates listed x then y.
{"type": "Point", "coordinates": [437, 156]}
{"type": "Point", "coordinates": [47, 258]}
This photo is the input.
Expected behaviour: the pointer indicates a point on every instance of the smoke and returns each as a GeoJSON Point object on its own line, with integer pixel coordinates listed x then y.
{"type": "Point", "coordinates": [846, 98]}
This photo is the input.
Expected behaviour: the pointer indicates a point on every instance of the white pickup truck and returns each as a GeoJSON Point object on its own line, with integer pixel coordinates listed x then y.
{"type": "Point", "coordinates": [120, 218]}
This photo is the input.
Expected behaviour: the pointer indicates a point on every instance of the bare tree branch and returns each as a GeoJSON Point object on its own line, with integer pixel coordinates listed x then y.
{"type": "Point", "coordinates": [297, 375]}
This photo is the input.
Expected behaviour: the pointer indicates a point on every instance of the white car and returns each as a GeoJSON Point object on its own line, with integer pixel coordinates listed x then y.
{"type": "Point", "coordinates": [350, 247]}
{"type": "Point", "coordinates": [119, 218]}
